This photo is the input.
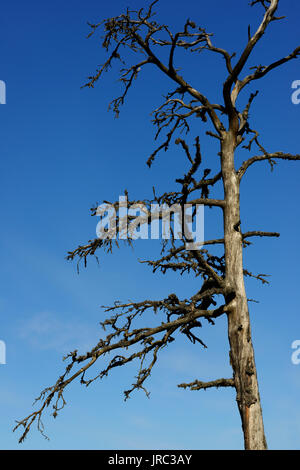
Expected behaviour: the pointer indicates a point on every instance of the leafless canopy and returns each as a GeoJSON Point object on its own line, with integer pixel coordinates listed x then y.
{"type": "Point", "coordinates": [137, 34]}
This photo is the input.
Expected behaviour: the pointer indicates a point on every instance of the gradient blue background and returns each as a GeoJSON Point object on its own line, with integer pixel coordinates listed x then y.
{"type": "Point", "coordinates": [61, 153]}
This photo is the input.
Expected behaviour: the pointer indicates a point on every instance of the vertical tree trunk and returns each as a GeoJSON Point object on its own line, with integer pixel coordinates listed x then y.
{"type": "Point", "coordinates": [239, 332]}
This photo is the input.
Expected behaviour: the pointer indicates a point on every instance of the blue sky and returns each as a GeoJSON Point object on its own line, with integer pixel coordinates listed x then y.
{"type": "Point", "coordinates": [62, 152]}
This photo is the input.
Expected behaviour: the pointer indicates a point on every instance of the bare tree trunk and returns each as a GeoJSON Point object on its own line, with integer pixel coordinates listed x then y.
{"type": "Point", "coordinates": [239, 332]}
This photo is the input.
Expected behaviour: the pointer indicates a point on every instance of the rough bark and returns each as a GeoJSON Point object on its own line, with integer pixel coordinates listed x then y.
{"type": "Point", "coordinates": [239, 331]}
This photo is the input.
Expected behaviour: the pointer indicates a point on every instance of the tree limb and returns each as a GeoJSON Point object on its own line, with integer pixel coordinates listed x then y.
{"type": "Point", "coordinates": [198, 385]}
{"type": "Point", "coordinates": [269, 157]}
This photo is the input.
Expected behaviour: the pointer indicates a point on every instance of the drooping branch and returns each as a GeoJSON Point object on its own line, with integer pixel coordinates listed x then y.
{"type": "Point", "coordinates": [126, 31]}
{"type": "Point", "coordinates": [127, 77]}
{"type": "Point", "coordinates": [174, 108]}
{"type": "Point", "coordinates": [187, 319]}
{"type": "Point", "coordinates": [162, 208]}
{"type": "Point", "coordinates": [183, 260]}
{"type": "Point", "coordinates": [165, 145]}
{"type": "Point", "coordinates": [82, 252]}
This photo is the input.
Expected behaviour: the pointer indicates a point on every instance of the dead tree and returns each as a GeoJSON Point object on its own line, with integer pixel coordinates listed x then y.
{"type": "Point", "coordinates": [136, 33]}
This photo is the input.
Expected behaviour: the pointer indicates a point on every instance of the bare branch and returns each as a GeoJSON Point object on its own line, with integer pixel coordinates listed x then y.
{"type": "Point", "coordinates": [144, 336]}
{"type": "Point", "coordinates": [126, 31]}
{"type": "Point", "coordinates": [164, 145]}
{"type": "Point", "coordinates": [223, 52]}
{"type": "Point", "coordinates": [229, 98]}
{"type": "Point", "coordinates": [262, 70]}
{"type": "Point", "coordinates": [209, 202]}
{"type": "Point", "coordinates": [197, 385]}
{"type": "Point", "coordinates": [260, 234]}
{"type": "Point", "coordinates": [245, 115]}
{"type": "Point", "coordinates": [259, 277]}
{"type": "Point", "coordinates": [270, 157]}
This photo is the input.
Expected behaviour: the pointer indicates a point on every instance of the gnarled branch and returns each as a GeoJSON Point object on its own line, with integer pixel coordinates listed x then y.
{"type": "Point", "coordinates": [198, 385]}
